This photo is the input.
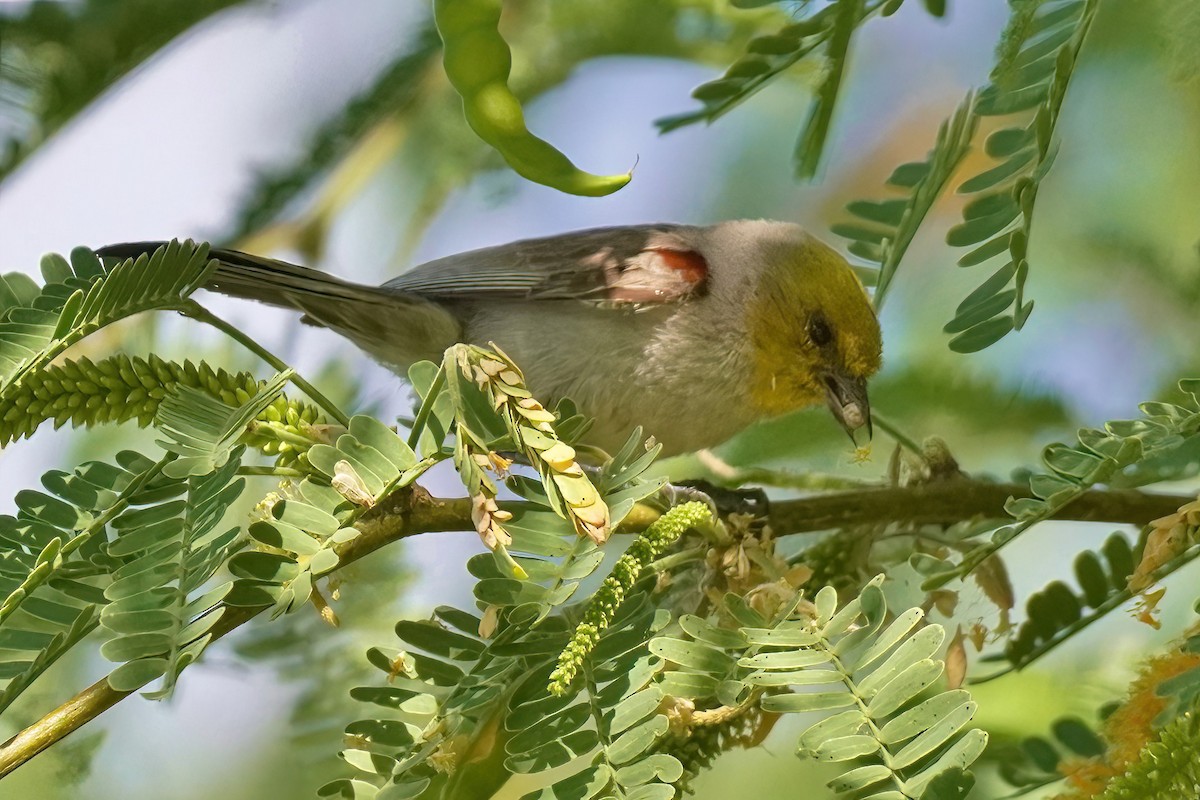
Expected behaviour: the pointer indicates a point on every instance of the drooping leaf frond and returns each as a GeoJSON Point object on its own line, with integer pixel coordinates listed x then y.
{"type": "Point", "coordinates": [1037, 59]}
{"type": "Point", "coordinates": [158, 618]}
{"type": "Point", "coordinates": [54, 565]}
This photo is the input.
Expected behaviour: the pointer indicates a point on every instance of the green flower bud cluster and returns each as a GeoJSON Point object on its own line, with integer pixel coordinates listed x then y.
{"type": "Point", "coordinates": [603, 606]}
{"type": "Point", "coordinates": [287, 429]}
{"type": "Point", "coordinates": [123, 388]}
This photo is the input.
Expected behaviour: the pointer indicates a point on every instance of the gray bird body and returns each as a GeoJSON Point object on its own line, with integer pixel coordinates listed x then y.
{"type": "Point", "coordinates": [639, 325]}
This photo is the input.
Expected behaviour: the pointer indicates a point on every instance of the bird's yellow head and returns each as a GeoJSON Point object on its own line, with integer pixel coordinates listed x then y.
{"type": "Point", "coordinates": [814, 336]}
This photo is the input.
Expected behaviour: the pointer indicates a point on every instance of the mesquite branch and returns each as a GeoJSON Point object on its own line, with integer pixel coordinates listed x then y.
{"type": "Point", "coordinates": [413, 511]}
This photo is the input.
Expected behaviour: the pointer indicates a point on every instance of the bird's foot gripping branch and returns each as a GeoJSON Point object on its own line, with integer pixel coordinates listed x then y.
{"type": "Point", "coordinates": [700, 637]}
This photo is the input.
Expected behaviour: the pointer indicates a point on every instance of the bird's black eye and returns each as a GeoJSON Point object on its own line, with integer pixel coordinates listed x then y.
{"type": "Point", "coordinates": [818, 331]}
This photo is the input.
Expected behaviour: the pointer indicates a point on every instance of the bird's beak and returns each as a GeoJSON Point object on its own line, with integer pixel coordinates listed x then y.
{"type": "Point", "coordinates": [847, 399]}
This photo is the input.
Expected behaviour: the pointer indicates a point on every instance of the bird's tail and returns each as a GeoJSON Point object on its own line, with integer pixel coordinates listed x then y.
{"type": "Point", "coordinates": [396, 327]}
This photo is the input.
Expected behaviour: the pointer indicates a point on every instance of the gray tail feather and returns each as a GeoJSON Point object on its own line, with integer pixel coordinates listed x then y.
{"type": "Point", "coordinates": [270, 281]}
{"type": "Point", "coordinates": [396, 327]}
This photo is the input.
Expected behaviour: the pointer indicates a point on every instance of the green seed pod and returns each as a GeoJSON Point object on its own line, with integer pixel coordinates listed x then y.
{"type": "Point", "coordinates": [477, 61]}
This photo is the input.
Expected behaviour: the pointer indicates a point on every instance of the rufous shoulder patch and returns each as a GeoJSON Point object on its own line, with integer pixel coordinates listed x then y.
{"type": "Point", "coordinates": [688, 265]}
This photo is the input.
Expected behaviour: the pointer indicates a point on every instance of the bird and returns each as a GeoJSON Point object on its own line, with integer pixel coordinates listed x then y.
{"type": "Point", "coordinates": [691, 332]}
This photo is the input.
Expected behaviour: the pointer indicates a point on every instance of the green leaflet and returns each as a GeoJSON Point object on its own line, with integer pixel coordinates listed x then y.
{"type": "Point", "coordinates": [283, 580]}
{"type": "Point", "coordinates": [365, 463]}
{"type": "Point", "coordinates": [369, 455]}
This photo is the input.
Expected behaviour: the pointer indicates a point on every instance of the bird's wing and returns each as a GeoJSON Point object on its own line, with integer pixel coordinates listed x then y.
{"type": "Point", "coordinates": [636, 265]}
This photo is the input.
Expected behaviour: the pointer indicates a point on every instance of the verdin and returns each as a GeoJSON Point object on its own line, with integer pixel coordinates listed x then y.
{"type": "Point", "coordinates": [692, 332]}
